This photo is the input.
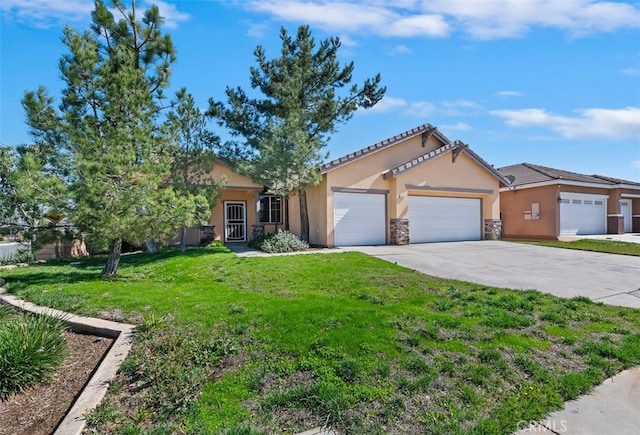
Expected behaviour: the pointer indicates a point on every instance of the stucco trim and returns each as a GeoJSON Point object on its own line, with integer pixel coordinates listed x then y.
{"type": "Point", "coordinates": [450, 189]}
{"type": "Point", "coordinates": [630, 195]}
{"type": "Point", "coordinates": [356, 190]}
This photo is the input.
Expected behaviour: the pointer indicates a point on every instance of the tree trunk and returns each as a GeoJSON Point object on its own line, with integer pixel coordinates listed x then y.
{"type": "Point", "coordinates": [286, 213]}
{"type": "Point", "coordinates": [304, 216]}
{"type": "Point", "coordinates": [183, 239]}
{"type": "Point", "coordinates": [113, 260]}
{"type": "Point", "coordinates": [151, 247]}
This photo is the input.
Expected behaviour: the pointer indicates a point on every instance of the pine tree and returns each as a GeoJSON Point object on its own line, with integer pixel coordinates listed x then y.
{"type": "Point", "coordinates": [111, 131]}
{"type": "Point", "coordinates": [193, 158]}
{"type": "Point", "coordinates": [305, 98]}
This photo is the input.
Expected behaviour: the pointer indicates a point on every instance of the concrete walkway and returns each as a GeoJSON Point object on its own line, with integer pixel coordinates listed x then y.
{"type": "Point", "coordinates": [612, 408]}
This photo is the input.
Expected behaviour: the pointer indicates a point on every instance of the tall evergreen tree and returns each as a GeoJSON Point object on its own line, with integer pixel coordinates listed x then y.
{"type": "Point", "coordinates": [281, 135]}
{"type": "Point", "coordinates": [110, 129]}
{"type": "Point", "coordinates": [193, 159]}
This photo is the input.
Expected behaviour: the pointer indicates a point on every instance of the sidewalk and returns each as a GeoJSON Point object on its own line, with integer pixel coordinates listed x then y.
{"type": "Point", "coordinates": [612, 408]}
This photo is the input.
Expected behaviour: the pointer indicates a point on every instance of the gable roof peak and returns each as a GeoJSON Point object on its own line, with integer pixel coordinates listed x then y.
{"type": "Point", "coordinates": [383, 144]}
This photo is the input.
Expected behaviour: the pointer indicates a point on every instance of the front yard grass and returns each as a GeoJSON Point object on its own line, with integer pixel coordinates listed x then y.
{"type": "Point", "coordinates": [606, 246]}
{"type": "Point", "coordinates": [282, 344]}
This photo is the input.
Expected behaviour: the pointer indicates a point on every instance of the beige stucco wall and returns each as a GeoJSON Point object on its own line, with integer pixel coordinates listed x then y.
{"type": "Point", "coordinates": [368, 172]}
{"type": "Point", "coordinates": [465, 173]}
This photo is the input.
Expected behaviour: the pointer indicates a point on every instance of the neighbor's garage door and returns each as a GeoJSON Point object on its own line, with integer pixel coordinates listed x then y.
{"type": "Point", "coordinates": [444, 219]}
{"type": "Point", "coordinates": [359, 219]}
{"type": "Point", "coordinates": [582, 214]}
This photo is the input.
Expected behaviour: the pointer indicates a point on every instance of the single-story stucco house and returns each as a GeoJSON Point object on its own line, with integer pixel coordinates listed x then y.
{"type": "Point", "coordinates": [548, 203]}
{"type": "Point", "coordinates": [416, 187]}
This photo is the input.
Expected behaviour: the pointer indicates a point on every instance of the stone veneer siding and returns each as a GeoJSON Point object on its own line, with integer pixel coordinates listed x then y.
{"type": "Point", "coordinates": [257, 231]}
{"type": "Point", "coordinates": [492, 229]}
{"type": "Point", "coordinates": [615, 224]}
{"type": "Point", "coordinates": [399, 231]}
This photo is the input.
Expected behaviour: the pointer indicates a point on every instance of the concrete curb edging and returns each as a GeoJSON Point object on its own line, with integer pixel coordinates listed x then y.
{"type": "Point", "coordinates": [95, 390]}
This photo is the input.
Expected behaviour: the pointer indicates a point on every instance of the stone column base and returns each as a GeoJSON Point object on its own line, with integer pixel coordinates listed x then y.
{"type": "Point", "coordinates": [492, 229]}
{"type": "Point", "coordinates": [399, 231]}
{"type": "Point", "coordinates": [257, 231]}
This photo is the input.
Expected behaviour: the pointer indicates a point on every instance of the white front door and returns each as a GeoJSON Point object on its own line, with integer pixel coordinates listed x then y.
{"type": "Point", "coordinates": [582, 213]}
{"type": "Point", "coordinates": [235, 221]}
{"type": "Point", "coordinates": [625, 209]}
{"type": "Point", "coordinates": [444, 219]}
{"type": "Point", "coordinates": [359, 219]}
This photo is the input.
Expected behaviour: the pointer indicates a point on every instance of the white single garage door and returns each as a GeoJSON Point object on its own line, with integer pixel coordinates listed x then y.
{"type": "Point", "coordinates": [444, 219]}
{"type": "Point", "coordinates": [582, 213]}
{"type": "Point", "coordinates": [359, 219]}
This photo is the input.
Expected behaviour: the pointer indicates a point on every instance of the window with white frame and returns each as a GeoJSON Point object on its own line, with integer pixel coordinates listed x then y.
{"type": "Point", "coordinates": [270, 209]}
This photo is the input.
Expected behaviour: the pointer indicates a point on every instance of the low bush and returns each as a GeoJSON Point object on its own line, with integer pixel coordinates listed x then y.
{"type": "Point", "coordinates": [32, 347]}
{"type": "Point", "coordinates": [278, 242]}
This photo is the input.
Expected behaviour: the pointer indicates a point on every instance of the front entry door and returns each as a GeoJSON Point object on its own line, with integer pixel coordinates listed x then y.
{"type": "Point", "coordinates": [235, 228]}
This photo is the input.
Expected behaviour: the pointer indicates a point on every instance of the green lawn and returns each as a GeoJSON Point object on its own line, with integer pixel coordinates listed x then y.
{"type": "Point", "coordinates": [282, 344]}
{"type": "Point", "coordinates": [606, 246]}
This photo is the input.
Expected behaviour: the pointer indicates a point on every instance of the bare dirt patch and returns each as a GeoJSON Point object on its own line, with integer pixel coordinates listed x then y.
{"type": "Point", "coordinates": [40, 409]}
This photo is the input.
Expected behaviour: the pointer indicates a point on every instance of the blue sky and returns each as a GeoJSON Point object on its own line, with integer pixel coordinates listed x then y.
{"type": "Point", "coordinates": [551, 82]}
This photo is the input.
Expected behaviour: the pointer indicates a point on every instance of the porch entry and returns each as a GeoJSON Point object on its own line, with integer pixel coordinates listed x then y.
{"type": "Point", "coordinates": [235, 221]}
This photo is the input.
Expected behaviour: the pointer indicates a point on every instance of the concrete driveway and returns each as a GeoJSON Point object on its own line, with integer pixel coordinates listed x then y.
{"type": "Point", "coordinates": [611, 279]}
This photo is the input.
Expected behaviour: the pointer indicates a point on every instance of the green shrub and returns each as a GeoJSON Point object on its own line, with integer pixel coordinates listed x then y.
{"type": "Point", "coordinates": [23, 255]}
{"type": "Point", "coordinates": [31, 349]}
{"type": "Point", "coordinates": [278, 242]}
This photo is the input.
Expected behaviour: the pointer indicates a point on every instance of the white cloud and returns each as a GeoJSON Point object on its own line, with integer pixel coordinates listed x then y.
{"type": "Point", "coordinates": [630, 71]}
{"type": "Point", "coordinates": [422, 109]}
{"type": "Point", "coordinates": [45, 13]}
{"type": "Point", "coordinates": [590, 123]}
{"type": "Point", "coordinates": [48, 13]}
{"type": "Point", "coordinates": [419, 109]}
{"type": "Point", "coordinates": [257, 30]}
{"type": "Point", "coordinates": [481, 19]}
{"type": "Point", "coordinates": [388, 104]}
{"type": "Point", "coordinates": [509, 94]}
{"type": "Point", "coordinates": [458, 126]}
{"type": "Point", "coordinates": [459, 107]}
{"type": "Point", "coordinates": [400, 49]}
{"type": "Point", "coordinates": [172, 16]}
{"type": "Point", "coordinates": [384, 18]}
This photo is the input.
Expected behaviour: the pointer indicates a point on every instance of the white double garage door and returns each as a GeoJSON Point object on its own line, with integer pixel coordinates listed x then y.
{"type": "Point", "coordinates": [360, 219]}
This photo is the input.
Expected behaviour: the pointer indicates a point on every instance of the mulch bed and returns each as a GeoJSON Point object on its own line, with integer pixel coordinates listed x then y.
{"type": "Point", "coordinates": [40, 409]}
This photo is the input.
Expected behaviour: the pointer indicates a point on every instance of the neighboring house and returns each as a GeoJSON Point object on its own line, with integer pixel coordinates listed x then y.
{"type": "Point", "coordinates": [547, 203]}
{"type": "Point", "coordinates": [415, 187]}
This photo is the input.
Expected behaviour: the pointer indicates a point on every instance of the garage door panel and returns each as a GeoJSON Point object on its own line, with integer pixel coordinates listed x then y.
{"type": "Point", "coordinates": [359, 219]}
{"type": "Point", "coordinates": [582, 214]}
{"type": "Point", "coordinates": [444, 219]}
